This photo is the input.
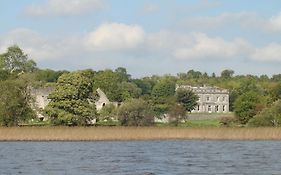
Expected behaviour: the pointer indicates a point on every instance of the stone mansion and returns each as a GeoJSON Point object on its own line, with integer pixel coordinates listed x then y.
{"type": "Point", "coordinates": [211, 99]}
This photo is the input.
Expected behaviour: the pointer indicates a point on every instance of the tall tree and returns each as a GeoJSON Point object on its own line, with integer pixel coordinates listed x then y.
{"type": "Point", "coordinates": [228, 73]}
{"type": "Point", "coordinates": [14, 103]}
{"type": "Point", "coordinates": [16, 60]}
{"type": "Point", "coordinates": [122, 72]}
{"type": "Point", "coordinates": [70, 103]}
{"type": "Point", "coordinates": [247, 106]}
{"type": "Point", "coordinates": [108, 81]}
{"type": "Point", "coordinates": [187, 99]}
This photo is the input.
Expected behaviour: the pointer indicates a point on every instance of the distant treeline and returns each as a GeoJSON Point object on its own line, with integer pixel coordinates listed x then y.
{"type": "Point", "coordinates": [255, 100]}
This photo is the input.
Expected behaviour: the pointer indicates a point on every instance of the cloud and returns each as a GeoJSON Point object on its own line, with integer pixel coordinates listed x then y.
{"type": "Point", "coordinates": [245, 20]}
{"type": "Point", "coordinates": [275, 23]}
{"type": "Point", "coordinates": [204, 47]}
{"type": "Point", "coordinates": [37, 46]}
{"type": "Point", "coordinates": [242, 18]}
{"type": "Point", "coordinates": [115, 36]}
{"type": "Point", "coordinates": [64, 7]}
{"type": "Point", "coordinates": [117, 43]}
{"type": "Point", "coordinates": [270, 53]}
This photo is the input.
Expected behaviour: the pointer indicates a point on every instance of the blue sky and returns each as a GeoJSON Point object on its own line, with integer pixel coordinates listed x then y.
{"type": "Point", "coordinates": [147, 36]}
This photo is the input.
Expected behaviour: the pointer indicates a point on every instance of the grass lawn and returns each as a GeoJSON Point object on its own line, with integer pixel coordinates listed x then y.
{"type": "Point", "coordinates": [202, 123]}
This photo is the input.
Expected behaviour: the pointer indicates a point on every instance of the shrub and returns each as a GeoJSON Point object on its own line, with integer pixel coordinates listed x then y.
{"type": "Point", "coordinates": [268, 117]}
{"type": "Point", "coordinates": [135, 112]}
{"type": "Point", "coordinates": [228, 121]}
{"type": "Point", "coordinates": [177, 114]}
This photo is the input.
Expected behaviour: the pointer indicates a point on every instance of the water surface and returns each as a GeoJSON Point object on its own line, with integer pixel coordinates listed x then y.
{"type": "Point", "coordinates": [141, 157]}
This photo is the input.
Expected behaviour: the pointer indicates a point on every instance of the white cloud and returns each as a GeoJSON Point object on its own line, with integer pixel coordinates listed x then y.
{"type": "Point", "coordinates": [270, 53]}
{"type": "Point", "coordinates": [205, 47]}
{"type": "Point", "coordinates": [64, 7]}
{"type": "Point", "coordinates": [126, 40]}
{"type": "Point", "coordinates": [275, 23]}
{"type": "Point", "coordinates": [246, 20]}
{"type": "Point", "coordinates": [36, 46]}
{"type": "Point", "coordinates": [115, 36]}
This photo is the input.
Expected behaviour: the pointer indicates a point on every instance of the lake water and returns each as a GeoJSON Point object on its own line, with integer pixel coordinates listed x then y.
{"type": "Point", "coordinates": [141, 157]}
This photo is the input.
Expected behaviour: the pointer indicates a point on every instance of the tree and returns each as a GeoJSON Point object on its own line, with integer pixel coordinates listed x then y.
{"type": "Point", "coordinates": [228, 73]}
{"type": "Point", "coordinates": [268, 117]}
{"type": "Point", "coordinates": [108, 112]}
{"type": "Point", "coordinates": [163, 89]}
{"type": "Point", "coordinates": [14, 103]}
{"type": "Point", "coordinates": [16, 60]}
{"type": "Point", "coordinates": [70, 103]}
{"type": "Point", "coordinates": [122, 72]}
{"type": "Point", "coordinates": [48, 75]}
{"type": "Point", "coordinates": [177, 113]}
{"type": "Point", "coordinates": [129, 90]}
{"type": "Point", "coordinates": [187, 99]}
{"type": "Point", "coordinates": [275, 91]}
{"type": "Point", "coordinates": [135, 112]}
{"type": "Point", "coordinates": [4, 75]}
{"type": "Point", "coordinates": [247, 106]}
{"type": "Point", "coordinates": [194, 74]}
{"type": "Point", "coordinates": [145, 85]}
{"type": "Point", "coordinates": [276, 77]}
{"type": "Point", "coordinates": [161, 93]}
{"type": "Point", "coordinates": [108, 81]}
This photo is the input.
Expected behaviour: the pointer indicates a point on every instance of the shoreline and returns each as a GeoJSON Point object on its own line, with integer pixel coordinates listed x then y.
{"type": "Point", "coordinates": [135, 133]}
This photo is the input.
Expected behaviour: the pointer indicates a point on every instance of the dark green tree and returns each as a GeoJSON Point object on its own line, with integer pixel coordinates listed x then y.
{"type": "Point", "coordinates": [14, 103]}
{"type": "Point", "coordinates": [246, 106]}
{"type": "Point", "coordinates": [161, 94]}
{"type": "Point", "coordinates": [194, 74]}
{"type": "Point", "coordinates": [108, 81]}
{"type": "Point", "coordinates": [129, 90]}
{"type": "Point", "coordinates": [228, 73]}
{"type": "Point", "coordinates": [122, 72]}
{"type": "Point", "coordinates": [70, 102]}
{"type": "Point", "coordinates": [163, 89]}
{"type": "Point", "coordinates": [187, 99]}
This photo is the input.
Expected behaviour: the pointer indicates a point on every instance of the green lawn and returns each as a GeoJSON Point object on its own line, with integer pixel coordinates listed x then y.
{"type": "Point", "coordinates": [194, 123]}
{"type": "Point", "coordinates": [201, 123]}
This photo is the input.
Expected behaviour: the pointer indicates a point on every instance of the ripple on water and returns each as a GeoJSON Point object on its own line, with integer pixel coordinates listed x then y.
{"type": "Point", "coordinates": [141, 157]}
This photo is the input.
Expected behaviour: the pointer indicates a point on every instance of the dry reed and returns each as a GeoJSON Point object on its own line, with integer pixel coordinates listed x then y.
{"type": "Point", "coordinates": [135, 133]}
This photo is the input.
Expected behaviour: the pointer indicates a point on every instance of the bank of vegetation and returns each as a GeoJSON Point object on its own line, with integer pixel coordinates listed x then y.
{"type": "Point", "coordinates": [135, 133]}
{"type": "Point", "coordinates": [255, 100]}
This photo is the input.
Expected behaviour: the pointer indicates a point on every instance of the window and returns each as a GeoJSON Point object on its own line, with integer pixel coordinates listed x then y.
{"type": "Point", "coordinates": [208, 98]}
{"type": "Point", "coordinates": [218, 98]}
{"type": "Point", "coordinates": [223, 98]}
{"type": "Point", "coordinates": [198, 107]}
{"type": "Point", "coordinates": [223, 108]}
{"type": "Point", "coordinates": [209, 108]}
{"type": "Point", "coordinates": [216, 108]}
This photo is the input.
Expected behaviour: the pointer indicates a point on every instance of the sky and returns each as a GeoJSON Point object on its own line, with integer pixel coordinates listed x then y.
{"type": "Point", "coordinates": [146, 37]}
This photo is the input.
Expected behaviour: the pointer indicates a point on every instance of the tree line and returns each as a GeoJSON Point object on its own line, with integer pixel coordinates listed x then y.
{"type": "Point", "coordinates": [255, 100]}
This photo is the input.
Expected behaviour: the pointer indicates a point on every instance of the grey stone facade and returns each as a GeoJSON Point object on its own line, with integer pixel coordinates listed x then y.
{"type": "Point", "coordinates": [211, 99]}
{"type": "Point", "coordinates": [103, 100]}
{"type": "Point", "coordinates": [40, 97]}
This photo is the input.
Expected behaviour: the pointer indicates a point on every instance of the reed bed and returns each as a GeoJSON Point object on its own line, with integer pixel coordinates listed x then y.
{"type": "Point", "coordinates": [135, 133]}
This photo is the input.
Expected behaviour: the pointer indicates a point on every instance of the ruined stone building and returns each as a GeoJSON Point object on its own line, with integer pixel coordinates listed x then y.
{"type": "Point", "coordinates": [103, 100]}
{"type": "Point", "coordinates": [211, 99]}
{"type": "Point", "coordinates": [40, 97]}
